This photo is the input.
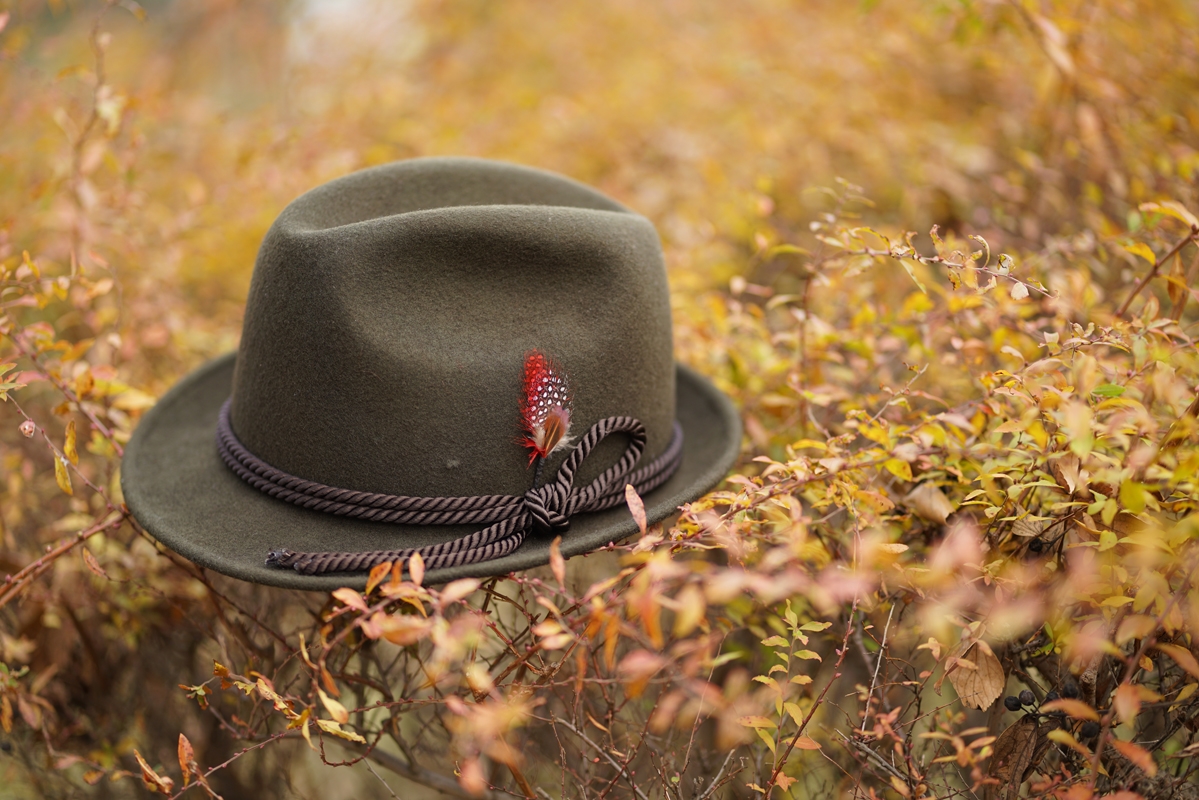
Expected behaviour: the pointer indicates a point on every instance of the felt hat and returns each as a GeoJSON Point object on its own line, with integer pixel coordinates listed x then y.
{"type": "Point", "coordinates": [457, 356]}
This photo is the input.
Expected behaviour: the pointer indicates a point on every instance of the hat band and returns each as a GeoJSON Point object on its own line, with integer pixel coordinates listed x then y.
{"type": "Point", "coordinates": [546, 508]}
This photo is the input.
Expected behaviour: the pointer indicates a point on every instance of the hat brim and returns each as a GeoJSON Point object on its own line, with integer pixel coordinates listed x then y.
{"type": "Point", "coordinates": [182, 493]}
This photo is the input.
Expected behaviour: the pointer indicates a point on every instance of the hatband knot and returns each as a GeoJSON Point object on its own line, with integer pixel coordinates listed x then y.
{"type": "Point", "coordinates": [547, 507]}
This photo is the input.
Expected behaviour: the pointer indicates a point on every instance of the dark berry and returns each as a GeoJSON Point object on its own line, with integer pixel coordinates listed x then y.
{"type": "Point", "coordinates": [1027, 698]}
{"type": "Point", "coordinates": [1089, 729]}
{"type": "Point", "coordinates": [1051, 696]}
{"type": "Point", "coordinates": [1036, 545]}
{"type": "Point", "coordinates": [1070, 688]}
{"type": "Point", "coordinates": [1011, 703]}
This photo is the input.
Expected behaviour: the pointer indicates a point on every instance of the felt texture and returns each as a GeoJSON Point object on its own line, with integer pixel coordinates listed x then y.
{"type": "Point", "coordinates": [388, 319]}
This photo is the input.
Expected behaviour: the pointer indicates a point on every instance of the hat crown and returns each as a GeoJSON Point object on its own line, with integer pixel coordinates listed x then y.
{"type": "Point", "coordinates": [390, 313]}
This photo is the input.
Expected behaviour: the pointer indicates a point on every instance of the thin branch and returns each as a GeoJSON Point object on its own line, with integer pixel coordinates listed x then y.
{"type": "Point", "coordinates": [877, 665]}
{"type": "Point", "coordinates": [600, 750]}
{"type": "Point", "coordinates": [433, 780]}
{"type": "Point", "coordinates": [1157, 265]}
{"type": "Point", "coordinates": [713, 786]}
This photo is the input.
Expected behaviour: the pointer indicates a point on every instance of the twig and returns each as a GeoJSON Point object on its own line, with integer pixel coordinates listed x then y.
{"type": "Point", "coordinates": [877, 665]}
{"type": "Point", "coordinates": [781, 762]}
{"type": "Point", "coordinates": [873, 756]}
{"type": "Point", "coordinates": [600, 750]}
{"type": "Point", "coordinates": [420, 775]}
{"type": "Point", "coordinates": [713, 785]}
{"type": "Point", "coordinates": [380, 777]}
{"type": "Point", "coordinates": [1157, 265]}
{"type": "Point", "coordinates": [18, 582]}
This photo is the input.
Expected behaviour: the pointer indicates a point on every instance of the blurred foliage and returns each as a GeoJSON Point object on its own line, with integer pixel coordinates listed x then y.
{"type": "Point", "coordinates": [957, 557]}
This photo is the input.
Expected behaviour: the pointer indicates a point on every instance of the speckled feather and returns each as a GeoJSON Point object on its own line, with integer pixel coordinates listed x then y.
{"type": "Point", "coordinates": [544, 406]}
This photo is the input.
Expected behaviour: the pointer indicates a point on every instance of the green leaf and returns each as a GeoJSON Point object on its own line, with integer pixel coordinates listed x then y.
{"type": "Point", "coordinates": [1108, 390]}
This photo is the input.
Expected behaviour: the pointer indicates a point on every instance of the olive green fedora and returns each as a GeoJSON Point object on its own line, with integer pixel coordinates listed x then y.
{"type": "Point", "coordinates": [454, 356]}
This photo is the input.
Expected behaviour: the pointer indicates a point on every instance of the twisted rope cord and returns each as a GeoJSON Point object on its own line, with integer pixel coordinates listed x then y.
{"type": "Point", "coordinates": [546, 508]}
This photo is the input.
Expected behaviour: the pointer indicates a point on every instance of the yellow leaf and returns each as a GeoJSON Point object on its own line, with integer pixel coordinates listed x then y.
{"type": "Point", "coordinates": [1172, 209]}
{"type": "Point", "coordinates": [756, 721]}
{"type": "Point", "coordinates": [308, 736]}
{"type": "Point", "coordinates": [416, 568]}
{"type": "Point", "coordinates": [84, 383]}
{"type": "Point", "coordinates": [1141, 249]}
{"type": "Point", "coordinates": [768, 739]}
{"type": "Point", "coordinates": [329, 726]}
{"type": "Point", "coordinates": [693, 607]}
{"type": "Point", "coordinates": [1135, 626]}
{"type": "Point", "coordinates": [68, 447]}
{"type": "Point", "coordinates": [61, 475]}
{"type": "Point", "coordinates": [335, 709]}
{"type": "Point", "coordinates": [899, 468]}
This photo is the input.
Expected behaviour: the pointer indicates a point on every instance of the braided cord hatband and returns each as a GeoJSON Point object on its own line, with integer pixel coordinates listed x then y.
{"type": "Point", "coordinates": [509, 518]}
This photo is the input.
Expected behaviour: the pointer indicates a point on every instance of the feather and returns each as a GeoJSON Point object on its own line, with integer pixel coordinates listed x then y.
{"type": "Point", "coordinates": [544, 406]}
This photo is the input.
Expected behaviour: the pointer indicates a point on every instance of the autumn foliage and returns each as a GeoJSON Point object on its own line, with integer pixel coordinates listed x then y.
{"type": "Point", "coordinates": [942, 255]}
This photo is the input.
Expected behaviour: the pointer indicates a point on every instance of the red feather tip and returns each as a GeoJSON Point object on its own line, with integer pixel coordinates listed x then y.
{"type": "Point", "coordinates": [544, 406]}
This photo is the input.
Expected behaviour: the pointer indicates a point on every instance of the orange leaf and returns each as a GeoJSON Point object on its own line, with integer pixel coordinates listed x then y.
{"type": "Point", "coordinates": [1182, 657]}
{"type": "Point", "coordinates": [151, 778]}
{"type": "Point", "coordinates": [1137, 755]}
{"type": "Point", "coordinates": [336, 709]}
{"type": "Point", "coordinates": [1127, 702]}
{"type": "Point", "coordinates": [378, 573]}
{"type": "Point", "coordinates": [1075, 708]}
{"type": "Point", "coordinates": [351, 598]}
{"type": "Point", "coordinates": [557, 563]}
{"type": "Point", "coordinates": [187, 758]}
{"type": "Point", "coordinates": [807, 743]}
{"type": "Point", "coordinates": [93, 564]}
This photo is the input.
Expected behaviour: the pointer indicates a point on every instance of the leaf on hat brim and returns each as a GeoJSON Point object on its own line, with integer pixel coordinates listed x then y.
{"type": "Point", "coordinates": [636, 506]}
{"type": "Point", "coordinates": [557, 563]}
